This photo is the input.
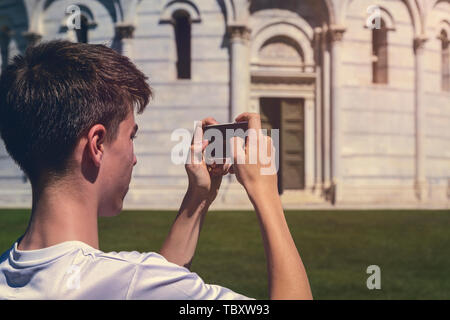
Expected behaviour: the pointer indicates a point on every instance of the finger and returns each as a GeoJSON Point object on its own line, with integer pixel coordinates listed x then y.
{"type": "Point", "coordinates": [265, 152]}
{"type": "Point", "coordinates": [222, 167]}
{"type": "Point", "coordinates": [205, 144]}
{"type": "Point", "coordinates": [198, 134]}
{"type": "Point", "coordinates": [208, 122]}
{"type": "Point", "coordinates": [253, 119]}
{"type": "Point", "coordinates": [196, 155]}
{"type": "Point", "coordinates": [196, 148]}
{"type": "Point", "coordinates": [237, 150]}
{"type": "Point", "coordinates": [216, 172]}
{"type": "Point", "coordinates": [226, 168]}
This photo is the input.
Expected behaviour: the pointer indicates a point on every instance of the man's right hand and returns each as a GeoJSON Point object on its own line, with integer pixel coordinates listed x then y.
{"type": "Point", "coordinates": [254, 161]}
{"type": "Point", "coordinates": [287, 275]}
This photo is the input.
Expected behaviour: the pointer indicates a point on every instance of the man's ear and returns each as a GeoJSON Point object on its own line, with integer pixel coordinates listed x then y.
{"type": "Point", "coordinates": [96, 143]}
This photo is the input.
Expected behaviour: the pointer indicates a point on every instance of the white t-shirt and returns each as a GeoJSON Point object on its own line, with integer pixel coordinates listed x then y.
{"type": "Point", "coordinates": [75, 270]}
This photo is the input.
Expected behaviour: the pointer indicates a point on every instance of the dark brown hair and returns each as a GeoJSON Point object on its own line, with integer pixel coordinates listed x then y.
{"type": "Point", "coordinates": [55, 92]}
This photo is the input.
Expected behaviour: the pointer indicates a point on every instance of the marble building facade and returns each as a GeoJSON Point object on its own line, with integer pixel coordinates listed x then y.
{"type": "Point", "coordinates": [363, 112]}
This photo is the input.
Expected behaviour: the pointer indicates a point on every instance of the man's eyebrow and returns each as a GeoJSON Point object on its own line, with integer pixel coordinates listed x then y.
{"type": "Point", "coordinates": [135, 129]}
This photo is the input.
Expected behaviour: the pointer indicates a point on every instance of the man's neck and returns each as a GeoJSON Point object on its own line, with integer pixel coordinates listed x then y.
{"type": "Point", "coordinates": [61, 214]}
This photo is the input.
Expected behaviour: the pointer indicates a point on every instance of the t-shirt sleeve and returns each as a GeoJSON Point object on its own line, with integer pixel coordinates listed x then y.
{"type": "Point", "coordinates": [156, 278]}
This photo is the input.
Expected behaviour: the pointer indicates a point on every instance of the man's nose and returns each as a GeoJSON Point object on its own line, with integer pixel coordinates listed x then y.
{"type": "Point", "coordinates": [135, 160]}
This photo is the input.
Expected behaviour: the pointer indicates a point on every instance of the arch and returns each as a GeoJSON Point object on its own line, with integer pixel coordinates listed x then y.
{"type": "Point", "coordinates": [230, 10]}
{"type": "Point", "coordinates": [444, 25]}
{"type": "Point", "coordinates": [411, 6]}
{"type": "Point", "coordinates": [84, 12]}
{"type": "Point", "coordinates": [334, 18]}
{"type": "Point", "coordinates": [386, 17]}
{"type": "Point", "coordinates": [437, 19]}
{"type": "Point", "coordinates": [113, 7]}
{"type": "Point", "coordinates": [286, 46]}
{"type": "Point", "coordinates": [434, 3]}
{"type": "Point", "coordinates": [416, 17]}
{"type": "Point", "coordinates": [321, 11]}
{"type": "Point", "coordinates": [282, 18]}
{"type": "Point", "coordinates": [36, 9]}
{"type": "Point", "coordinates": [299, 32]}
{"type": "Point", "coordinates": [129, 10]}
{"type": "Point", "coordinates": [180, 5]}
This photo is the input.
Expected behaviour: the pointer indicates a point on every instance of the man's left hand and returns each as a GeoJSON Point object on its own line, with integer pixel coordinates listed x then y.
{"type": "Point", "coordinates": [204, 179]}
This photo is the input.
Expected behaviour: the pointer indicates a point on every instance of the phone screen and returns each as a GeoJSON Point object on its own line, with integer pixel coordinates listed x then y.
{"type": "Point", "coordinates": [220, 132]}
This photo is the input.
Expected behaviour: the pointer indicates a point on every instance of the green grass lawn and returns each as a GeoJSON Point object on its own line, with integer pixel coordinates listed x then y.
{"type": "Point", "coordinates": [412, 248]}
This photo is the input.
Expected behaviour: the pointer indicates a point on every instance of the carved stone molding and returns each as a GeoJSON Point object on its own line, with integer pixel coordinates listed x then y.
{"type": "Point", "coordinates": [336, 33]}
{"type": "Point", "coordinates": [419, 43]}
{"type": "Point", "coordinates": [125, 31]}
{"type": "Point", "coordinates": [282, 79]}
{"type": "Point", "coordinates": [445, 41]}
{"type": "Point", "coordinates": [239, 32]}
{"type": "Point", "coordinates": [32, 37]}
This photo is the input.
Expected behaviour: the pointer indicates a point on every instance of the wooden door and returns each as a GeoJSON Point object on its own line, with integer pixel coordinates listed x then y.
{"type": "Point", "coordinates": [292, 138]}
{"type": "Point", "coordinates": [287, 115]}
{"type": "Point", "coordinates": [270, 119]}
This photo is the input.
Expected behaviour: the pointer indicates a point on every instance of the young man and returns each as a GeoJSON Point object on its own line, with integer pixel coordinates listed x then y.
{"type": "Point", "coordinates": [67, 119]}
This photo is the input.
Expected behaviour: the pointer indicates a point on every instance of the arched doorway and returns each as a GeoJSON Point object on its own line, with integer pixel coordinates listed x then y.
{"type": "Point", "coordinates": [283, 92]}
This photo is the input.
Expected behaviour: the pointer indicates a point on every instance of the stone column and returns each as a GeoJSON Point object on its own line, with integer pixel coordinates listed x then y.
{"type": "Point", "coordinates": [420, 174]}
{"type": "Point", "coordinates": [336, 35]}
{"type": "Point", "coordinates": [309, 143]}
{"type": "Point", "coordinates": [240, 69]}
{"type": "Point", "coordinates": [318, 177]}
{"type": "Point", "coordinates": [124, 34]}
{"type": "Point", "coordinates": [326, 108]}
{"type": "Point", "coordinates": [31, 37]}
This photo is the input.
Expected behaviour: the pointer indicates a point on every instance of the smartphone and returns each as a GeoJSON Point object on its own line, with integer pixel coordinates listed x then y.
{"type": "Point", "coordinates": [220, 132]}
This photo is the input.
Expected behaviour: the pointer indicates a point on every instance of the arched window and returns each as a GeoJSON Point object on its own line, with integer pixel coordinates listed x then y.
{"type": "Point", "coordinates": [380, 65]}
{"type": "Point", "coordinates": [182, 26]}
{"type": "Point", "coordinates": [445, 60]}
{"type": "Point", "coordinates": [82, 32]}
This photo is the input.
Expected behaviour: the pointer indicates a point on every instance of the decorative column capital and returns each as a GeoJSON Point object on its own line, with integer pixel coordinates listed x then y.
{"type": "Point", "coordinates": [6, 31]}
{"type": "Point", "coordinates": [419, 43]}
{"type": "Point", "coordinates": [336, 33]}
{"type": "Point", "coordinates": [32, 37]}
{"type": "Point", "coordinates": [239, 32]}
{"type": "Point", "coordinates": [125, 31]}
{"type": "Point", "coordinates": [445, 40]}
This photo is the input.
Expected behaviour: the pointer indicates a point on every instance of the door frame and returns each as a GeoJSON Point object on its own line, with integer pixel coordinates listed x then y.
{"type": "Point", "coordinates": [265, 84]}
